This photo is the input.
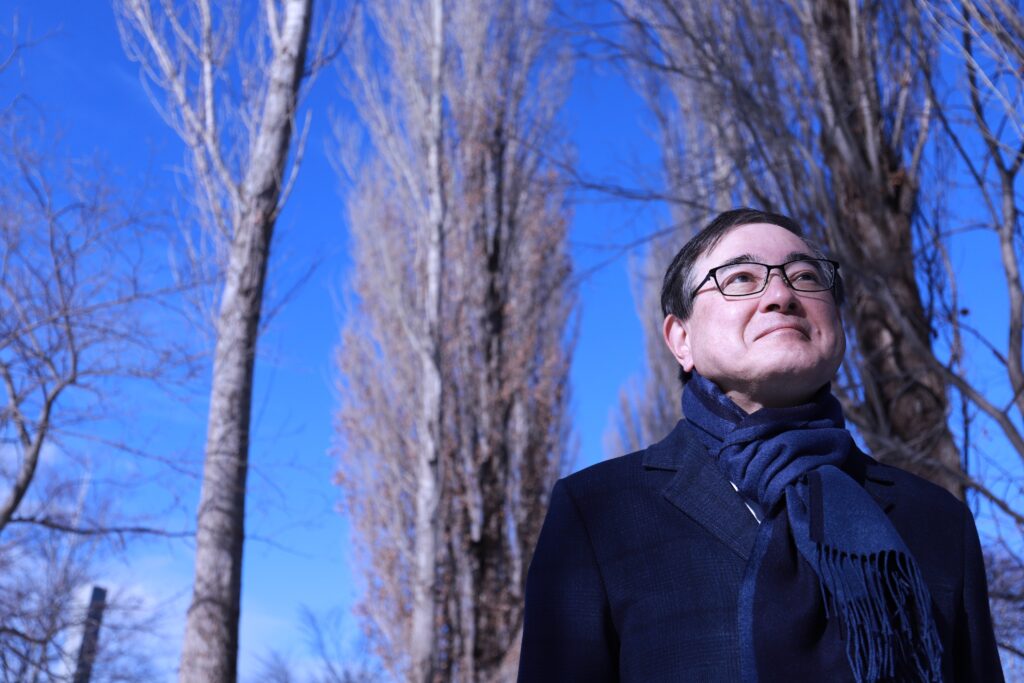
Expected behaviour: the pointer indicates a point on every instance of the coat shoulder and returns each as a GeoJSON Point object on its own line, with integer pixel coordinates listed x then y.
{"type": "Point", "coordinates": [616, 495]}
{"type": "Point", "coordinates": [933, 523]}
{"type": "Point", "coordinates": [641, 469]}
{"type": "Point", "coordinates": [915, 490]}
{"type": "Point", "coordinates": [605, 473]}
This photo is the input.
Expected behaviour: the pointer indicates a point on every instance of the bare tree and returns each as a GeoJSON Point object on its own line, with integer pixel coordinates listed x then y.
{"type": "Point", "coordinates": [979, 121]}
{"type": "Point", "coordinates": [820, 112]}
{"type": "Point", "coordinates": [456, 349]}
{"type": "Point", "coordinates": [73, 287]}
{"type": "Point", "coordinates": [191, 57]}
{"type": "Point", "coordinates": [649, 407]}
{"type": "Point", "coordinates": [45, 574]}
{"type": "Point", "coordinates": [329, 663]}
{"type": "Point", "coordinates": [78, 303]}
{"type": "Point", "coordinates": [843, 115]}
{"type": "Point", "coordinates": [81, 300]}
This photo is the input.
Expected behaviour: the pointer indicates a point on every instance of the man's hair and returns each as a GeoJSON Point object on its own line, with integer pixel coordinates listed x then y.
{"type": "Point", "coordinates": [677, 287]}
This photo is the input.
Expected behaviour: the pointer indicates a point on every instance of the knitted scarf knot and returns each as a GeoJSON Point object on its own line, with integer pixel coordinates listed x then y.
{"type": "Point", "coordinates": [790, 459]}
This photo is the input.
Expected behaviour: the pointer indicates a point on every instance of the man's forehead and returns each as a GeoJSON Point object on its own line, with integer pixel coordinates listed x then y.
{"type": "Point", "coordinates": [758, 242]}
{"type": "Point", "coordinates": [758, 258]}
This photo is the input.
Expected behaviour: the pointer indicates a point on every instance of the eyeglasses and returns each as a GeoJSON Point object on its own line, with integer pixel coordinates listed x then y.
{"type": "Point", "coordinates": [748, 278]}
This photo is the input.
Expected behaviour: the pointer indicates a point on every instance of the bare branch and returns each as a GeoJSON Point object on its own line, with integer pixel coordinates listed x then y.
{"type": "Point", "coordinates": [98, 530]}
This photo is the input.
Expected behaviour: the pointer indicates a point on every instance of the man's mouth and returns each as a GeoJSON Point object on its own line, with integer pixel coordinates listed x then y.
{"type": "Point", "coordinates": [783, 328]}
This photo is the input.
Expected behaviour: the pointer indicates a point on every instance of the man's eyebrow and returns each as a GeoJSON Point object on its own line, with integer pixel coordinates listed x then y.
{"type": "Point", "coordinates": [742, 258]}
{"type": "Point", "coordinates": [750, 258]}
{"type": "Point", "coordinates": [797, 255]}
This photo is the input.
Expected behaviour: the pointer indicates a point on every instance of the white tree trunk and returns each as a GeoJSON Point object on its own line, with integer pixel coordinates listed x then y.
{"type": "Point", "coordinates": [210, 648]}
{"type": "Point", "coordinates": [427, 493]}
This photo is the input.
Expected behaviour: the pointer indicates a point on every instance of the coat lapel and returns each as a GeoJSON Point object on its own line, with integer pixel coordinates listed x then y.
{"type": "Point", "coordinates": [879, 484]}
{"type": "Point", "coordinates": [704, 494]}
{"type": "Point", "coordinates": [700, 491]}
{"type": "Point", "coordinates": [874, 478]}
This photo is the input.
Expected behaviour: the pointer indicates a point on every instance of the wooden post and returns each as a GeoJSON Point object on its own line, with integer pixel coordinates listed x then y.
{"type": "Point", "coordinates": [90, 635]}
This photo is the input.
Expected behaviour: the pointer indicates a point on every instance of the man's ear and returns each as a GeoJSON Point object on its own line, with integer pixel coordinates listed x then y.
{"type": "Point", "coordinates": [677, 338]}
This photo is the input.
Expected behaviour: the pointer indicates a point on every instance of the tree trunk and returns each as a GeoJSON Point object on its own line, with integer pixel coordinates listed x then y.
{"type": "Point", "coordinates": [210, 648]}
{"type": "Point", "coordinates": [424, 609]}
{"type": "Point", "coordinates": [875, 193]}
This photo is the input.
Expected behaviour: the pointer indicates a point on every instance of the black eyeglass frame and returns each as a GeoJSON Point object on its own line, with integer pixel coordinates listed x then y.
{"type": "Point", "coordinates": [713, 276]}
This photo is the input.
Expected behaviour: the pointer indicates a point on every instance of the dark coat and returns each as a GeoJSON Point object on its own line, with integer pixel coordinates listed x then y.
{"type": "Point", "coordinates": [637, 570]}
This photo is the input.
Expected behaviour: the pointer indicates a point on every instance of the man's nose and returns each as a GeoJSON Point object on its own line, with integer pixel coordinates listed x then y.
{"type": "Point", "coordinates": [778, 293]}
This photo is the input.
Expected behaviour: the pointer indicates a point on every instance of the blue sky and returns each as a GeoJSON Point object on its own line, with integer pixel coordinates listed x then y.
{"type": "Point", "coordinates": [81, 82]}
{"type": "Point", "coordinates": [79, 79]}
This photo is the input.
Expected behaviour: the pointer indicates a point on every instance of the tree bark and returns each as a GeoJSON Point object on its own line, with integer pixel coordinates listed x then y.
{"type": "Point", "coordinates": [210, 649]}
{"type": "Point", "coordinates": [875, 194]}
{"type": "Point", "coordinates": [424, 609]}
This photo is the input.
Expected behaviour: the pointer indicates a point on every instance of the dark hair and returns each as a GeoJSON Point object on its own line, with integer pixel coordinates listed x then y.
{"type": "Point", "coordinates": [677, 287]}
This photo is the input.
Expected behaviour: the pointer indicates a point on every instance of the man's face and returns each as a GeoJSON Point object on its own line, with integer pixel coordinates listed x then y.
{"type": "Point", "coordinates": [771, 349]}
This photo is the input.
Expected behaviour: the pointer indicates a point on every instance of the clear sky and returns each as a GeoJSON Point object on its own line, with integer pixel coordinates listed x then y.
{"type": "Point", "coordinates": [80, 80]}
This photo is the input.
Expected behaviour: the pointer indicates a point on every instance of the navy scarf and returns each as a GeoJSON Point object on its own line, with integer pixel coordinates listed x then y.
{"type": "Point", "coordinates": [789, 461]}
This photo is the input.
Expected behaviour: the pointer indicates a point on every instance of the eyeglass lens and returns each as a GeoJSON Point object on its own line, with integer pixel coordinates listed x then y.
{"type": "Point", "coordinates": [749, 278]}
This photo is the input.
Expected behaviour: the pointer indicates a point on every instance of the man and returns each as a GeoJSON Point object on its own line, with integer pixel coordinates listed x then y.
{"type": "Point", "coordinates": [755, 542]}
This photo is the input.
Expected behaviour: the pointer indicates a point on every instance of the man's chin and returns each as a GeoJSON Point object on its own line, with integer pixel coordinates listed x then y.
{"type": "Point", "coordinates": [790, 387]}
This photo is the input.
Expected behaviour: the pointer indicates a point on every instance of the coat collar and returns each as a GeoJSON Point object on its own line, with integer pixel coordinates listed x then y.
{"type": "Point", "coordinates": [702, 492]}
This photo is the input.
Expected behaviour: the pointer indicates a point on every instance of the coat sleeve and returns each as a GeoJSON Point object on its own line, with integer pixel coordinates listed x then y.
{"type": "Point", "coordinates": [977, 657]}
{"type": "Point", "coordinates": [567, 631]}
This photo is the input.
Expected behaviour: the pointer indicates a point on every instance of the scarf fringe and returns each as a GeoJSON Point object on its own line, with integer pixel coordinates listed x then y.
{"type": "Point", "coordinates": [859, 589]}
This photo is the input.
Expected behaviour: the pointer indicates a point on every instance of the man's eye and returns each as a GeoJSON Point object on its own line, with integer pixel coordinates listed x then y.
{"type": "Point", "coordinates": [805, 275]}
{"type": "Point", "coordinates": [740, 277]}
